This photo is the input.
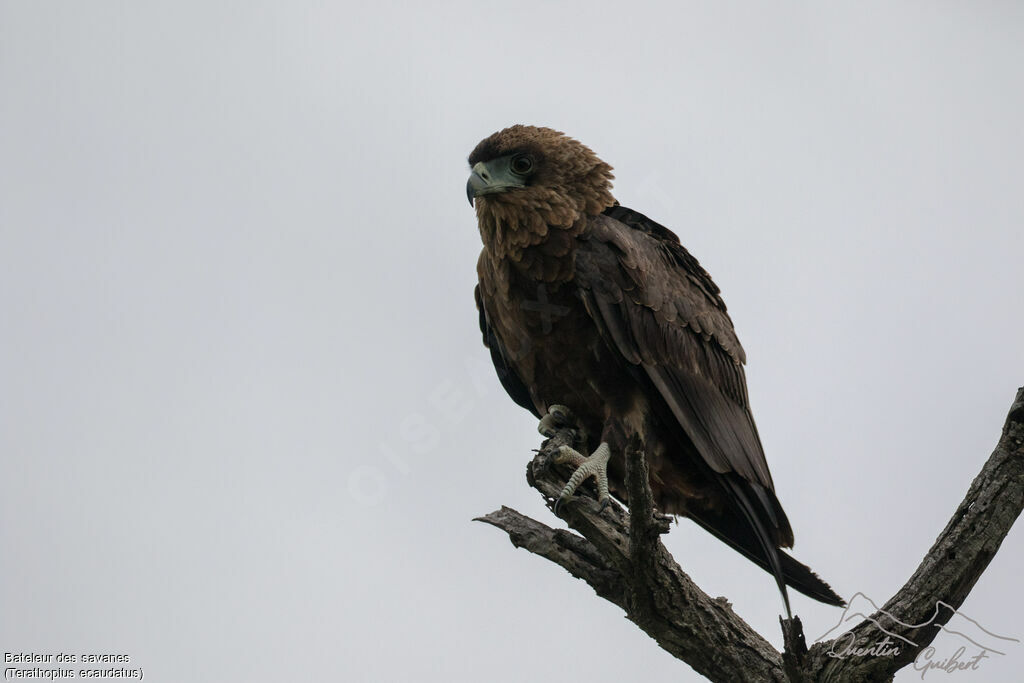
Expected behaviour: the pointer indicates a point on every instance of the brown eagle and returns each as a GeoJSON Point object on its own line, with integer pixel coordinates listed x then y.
{"type": "Point", "coordinates": [587, 304]}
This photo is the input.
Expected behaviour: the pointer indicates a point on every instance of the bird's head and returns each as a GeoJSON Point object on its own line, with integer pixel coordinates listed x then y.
{"type": "Point", "coordinates": [539, 169]}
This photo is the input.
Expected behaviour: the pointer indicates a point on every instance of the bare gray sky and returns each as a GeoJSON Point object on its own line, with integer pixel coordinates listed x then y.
{"type": "Point", "coordinates": [245, 415]}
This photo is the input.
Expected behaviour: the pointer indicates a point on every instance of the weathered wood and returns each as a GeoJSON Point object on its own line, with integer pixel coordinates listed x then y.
{"type": "Point", "coordinates": [951, 567]}
{"type": "Point", "coordinates": [655, 593]}
{"type": "Point", "coordinates": [621, 556]}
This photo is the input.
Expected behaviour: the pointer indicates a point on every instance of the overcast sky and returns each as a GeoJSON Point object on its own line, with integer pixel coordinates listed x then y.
{"type": "Point", "coordinates": [245, 415]}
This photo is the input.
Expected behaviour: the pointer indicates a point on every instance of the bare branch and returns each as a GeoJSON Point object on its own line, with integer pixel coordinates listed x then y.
{"type": "Point", "coordinates": [952, 566]}
{"type": "Point", "coordinates": [575, 554]}
{"type": "Point", "coordinates": [622, 558]}
{"type": "Point", "coordinates": [660, 598]}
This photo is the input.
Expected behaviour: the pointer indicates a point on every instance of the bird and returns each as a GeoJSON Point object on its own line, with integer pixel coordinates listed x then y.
{"type": "Point", "coordinates": [593, 310]}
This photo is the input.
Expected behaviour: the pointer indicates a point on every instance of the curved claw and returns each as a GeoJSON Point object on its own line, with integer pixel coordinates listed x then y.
{"type": "Point", "coordinates": [562, 501]}
{"type": "Point", "coordinates": [556, 506]}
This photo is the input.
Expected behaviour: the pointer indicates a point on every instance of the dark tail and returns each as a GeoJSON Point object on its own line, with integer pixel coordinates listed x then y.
{"type": "Point", "coordinates": [743, 530]}
{"type": "Point", "coordinates": [802, 579]}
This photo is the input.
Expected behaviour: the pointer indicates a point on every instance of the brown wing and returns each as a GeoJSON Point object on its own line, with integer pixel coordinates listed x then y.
{"type": "Point", "coordinates": [511, 381]}
{"type": "Point", "coordinates": [660, 310]}
{"type": "Point", "coordinates": [663, 313]}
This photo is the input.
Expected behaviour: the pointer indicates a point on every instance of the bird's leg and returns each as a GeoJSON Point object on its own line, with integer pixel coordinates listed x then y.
{"type": "Point", "coordinates": [594, 466]}
{"type": "Point", "coordinates": [560, 417]}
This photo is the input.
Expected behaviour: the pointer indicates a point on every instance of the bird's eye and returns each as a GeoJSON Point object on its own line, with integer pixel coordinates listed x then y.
{"type": "Point", "coordinates": [521, 164]}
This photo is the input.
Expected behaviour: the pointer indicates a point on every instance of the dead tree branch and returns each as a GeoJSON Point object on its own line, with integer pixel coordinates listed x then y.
{"type": "Point", "coordinates": [621, 556]}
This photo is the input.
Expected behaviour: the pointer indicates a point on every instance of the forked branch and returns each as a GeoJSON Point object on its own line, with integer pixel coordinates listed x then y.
{"type": "Point", "coordinates": [622, 557]}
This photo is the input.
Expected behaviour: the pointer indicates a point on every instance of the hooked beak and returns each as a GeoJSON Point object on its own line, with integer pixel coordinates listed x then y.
{"type": "Point", "coordinates": [476, 184]}
{"type": "Point", "coordinates": [492, 177]}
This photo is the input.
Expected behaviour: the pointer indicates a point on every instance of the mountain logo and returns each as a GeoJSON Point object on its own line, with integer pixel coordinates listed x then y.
{"type": "Point", "coordinates": [962, 628]}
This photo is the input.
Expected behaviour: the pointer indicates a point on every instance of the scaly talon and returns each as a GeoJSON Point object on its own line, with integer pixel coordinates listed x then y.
{"type": "Point", "coordinates": [595, 466]}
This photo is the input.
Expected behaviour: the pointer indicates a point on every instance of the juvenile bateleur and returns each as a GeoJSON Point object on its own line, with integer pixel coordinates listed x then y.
{"type": "Point", "coordinates": [590, 305]}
